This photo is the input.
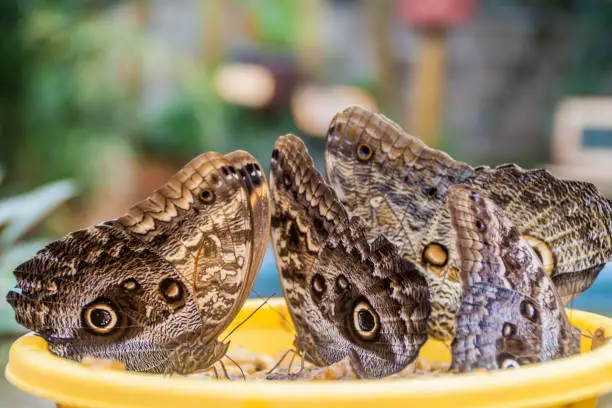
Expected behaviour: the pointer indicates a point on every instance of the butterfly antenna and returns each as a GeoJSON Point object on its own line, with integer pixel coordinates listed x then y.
{"type": "Point", "coordinates": [289, 324]}
{"type": "Point", "coordinates": [237, 365]}
{"type": "Point", "coordinates": [248, 317]}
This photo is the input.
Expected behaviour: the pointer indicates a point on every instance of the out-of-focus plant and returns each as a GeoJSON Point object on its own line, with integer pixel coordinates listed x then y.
{"type": "Point", "coordinates": [19, 216]}
{"type": "Point", "coordinates": [78, 66]}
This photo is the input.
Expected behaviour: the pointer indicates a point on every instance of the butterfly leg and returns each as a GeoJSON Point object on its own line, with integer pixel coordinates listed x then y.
{"type": "Point", "coordinates": [225, 373]}
{"type": "Point", "coordinates": [278, 363]}
{"type": "Point", "coordinates": [303, 357]}
{"type": "Point", "coordinates": [237, 365]}
{"type": "Point", "coordinates": [291, 361]}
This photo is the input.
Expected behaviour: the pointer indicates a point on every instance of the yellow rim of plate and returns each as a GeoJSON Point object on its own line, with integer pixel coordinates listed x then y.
{"type": "Point", "coordinates": [35, 370]}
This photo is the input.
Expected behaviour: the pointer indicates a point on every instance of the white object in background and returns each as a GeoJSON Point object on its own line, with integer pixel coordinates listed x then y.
{"type": "Point", "coordinates": [582, 141]}
{"type": "Point", "coordinates": [247, 85]}
{"type": "Point", "coordinates": [314, 106]}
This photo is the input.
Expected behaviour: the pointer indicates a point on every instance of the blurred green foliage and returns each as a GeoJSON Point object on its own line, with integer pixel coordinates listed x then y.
{"type": "Point", "coordinates": [63, 94]}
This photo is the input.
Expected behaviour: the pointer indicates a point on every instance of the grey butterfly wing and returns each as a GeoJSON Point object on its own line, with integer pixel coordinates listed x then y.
{"type": "Point", "coordinates": [346, 298]}
{"type": "Point", "coordinates": [394, 182]}
{"type": "Point", "coordinates": [510, 313]}
{"type": "Point", "coordinates": [568, 223]}
{"type": "Point", "coordinates": [399, 186]}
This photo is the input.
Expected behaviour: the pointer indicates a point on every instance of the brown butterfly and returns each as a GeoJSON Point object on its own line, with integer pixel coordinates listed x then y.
{"type": "Point", "coordinates": [510, 313]}
{"type": "Point", "coordinates": [347, 298]}
{"type": "Point", "coordinates": [155, 288]}
{"type": "Point", "coordinates": [398, 186]}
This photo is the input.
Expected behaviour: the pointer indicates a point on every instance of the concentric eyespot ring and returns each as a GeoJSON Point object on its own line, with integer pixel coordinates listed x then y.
{"type": "Point", "coordinates": [543, 251]}
{"type": "Point", "coordinates": [100, 317]}
{"type": "Point", "coordinates": [130, 284]}
{"type": "Point", "coordinates": [364, 152]}
{"type": "Point", "coordinates": [172, 291]}
{"type": "Point", "coordinates": [505, 360]}
{"type": "Point", "coordinates": [435, 254]}
{"type": "Point", "coordinates": [508, 329]}
{"type": "Point", "coordinates": [341, 283]}
{"type": "Point", "coordinates": [529, 311]}
{"type": "Point", "coordinates": [365, 321]}
{"type": "Point", "coordinates": [207, 196]}
{"type": "Point", "coordinates": [480, 226]}
{"type": "Point", "coordinates": [318, 284]}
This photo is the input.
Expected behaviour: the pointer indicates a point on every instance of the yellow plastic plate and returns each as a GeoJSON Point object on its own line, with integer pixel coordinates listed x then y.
{"type": "Point", "coordinates": [572, 382]}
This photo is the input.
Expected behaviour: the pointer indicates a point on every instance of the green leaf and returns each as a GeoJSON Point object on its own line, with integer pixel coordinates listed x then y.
{"type": "Point", "coordinates": [22, 213]}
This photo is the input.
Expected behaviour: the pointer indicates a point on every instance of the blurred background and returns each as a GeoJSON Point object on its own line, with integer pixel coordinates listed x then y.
{"type": "Point", "coordinates": [102, 100]}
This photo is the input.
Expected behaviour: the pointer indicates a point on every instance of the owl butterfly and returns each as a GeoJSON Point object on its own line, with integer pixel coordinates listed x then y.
{"type": "Point", "coordinates": [347, 298]}
{"type": "Point", "coordinates": [398, 186]}
{"type": "Point", "coordinates": [156, 287]}
{"type": "Point", "coordinates": [510, 313]}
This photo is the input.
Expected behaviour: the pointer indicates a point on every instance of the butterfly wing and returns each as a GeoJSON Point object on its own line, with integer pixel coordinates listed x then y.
{"type": "Point", "coordinates": [510, 313]}
{"type": "Point", "coordinates": [346, 298]}
{"type": "Point", "coordinates": [95, 293]}
{"type": "Point", "coordinates": [199, 226]}
{"type": "Point", "coordinates": [202, 223]}
{"type": "Point", "coordinates": [567, 223]}
{"type": "Point", "coordinates": [399, 186]}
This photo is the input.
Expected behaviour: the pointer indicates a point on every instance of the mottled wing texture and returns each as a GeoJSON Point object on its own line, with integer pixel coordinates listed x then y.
{"type": "Point", "coordinates": [398, 186]}
{"type": "Point", "coordinates": [510, 313]}
{"type": "Point", "coordinates": [174, 271]}
{"type": "Point", "coordinates": [347, 298]}
{"type": "Point", "coordinates": [259, 208]}
{"type": "Point", "coordinates": [93, 266]}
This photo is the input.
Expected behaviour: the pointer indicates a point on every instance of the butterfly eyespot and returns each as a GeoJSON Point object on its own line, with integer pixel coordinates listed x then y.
{"type": "Point", "coordinates": [480, 226]}
{"type": "Point", "coordinates": [287, 180]}
{"type": "Point", "coordinates": [99, 317]}
{"type": "Point", "coordinates": [341, 283]}
{"type": "Point", "coordinates": [365, 321]}
{"type": "Point", "coordinates": [430, 191]}
{"type": "Point", "coordinates": [207, 196]}
{"type": "Point", "coordinates": [543, 252]}
{"type": "Point", "coordinates": [508, 330]}
{"type": "Point", "coordinates": [364, 152]}
{"type": "Point", "coordinates": [507, 361]}
{"type": "Point", "coordinates": [130, 284]}
{"type": "Point", "coordinates": [435, 254]}
{"type": "Point", "coordinates": [172, 291]}
{"type": "Point", "coordinates": [529, 311]}
{"type": "Point", "coordinates": [318, 284]}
